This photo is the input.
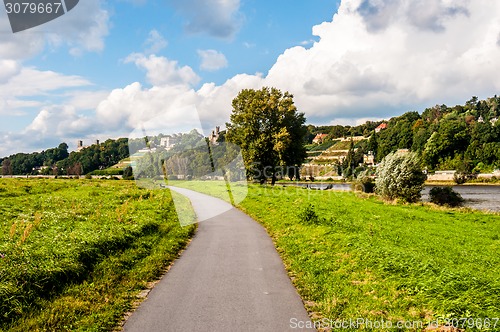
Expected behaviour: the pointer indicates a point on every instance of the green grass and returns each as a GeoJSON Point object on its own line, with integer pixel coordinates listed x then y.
{"type": "Point", "coordinates": [363, 258]}
{"type": "Point", "coordinates": [75, 254]}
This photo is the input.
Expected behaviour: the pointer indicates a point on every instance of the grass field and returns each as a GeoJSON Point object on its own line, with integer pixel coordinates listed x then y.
{"type": "Point", "coordinates": [74, 254]}
{"type": "Point", "coordinates": [352, 257]}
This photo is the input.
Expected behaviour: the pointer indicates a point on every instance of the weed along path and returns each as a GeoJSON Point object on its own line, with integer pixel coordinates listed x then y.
{"type": "Point", "coordinates": [230, 278]}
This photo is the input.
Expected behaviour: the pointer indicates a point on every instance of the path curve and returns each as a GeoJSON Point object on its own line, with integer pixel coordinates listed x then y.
{"type": "Point", "coordinates": [230, 278]}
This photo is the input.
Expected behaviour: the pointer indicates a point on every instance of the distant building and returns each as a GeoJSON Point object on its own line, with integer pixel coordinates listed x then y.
{"type": "Point", "coordinates": [319, 139]}
{"type": "Point", "coordinates": [369, 159]}
{"type": "Point", "coordinates": [168, 142]}
{"type": "Point", "coordinates": [79, 146]}
{"type": "Point", "coordinates": [214, 136]}
{"type": "Point", "coordinates": [493, 121]}
{"type": "Point", "coordinates": [381, 127]}
{"type": "Point", "coordinates": [480, 120]}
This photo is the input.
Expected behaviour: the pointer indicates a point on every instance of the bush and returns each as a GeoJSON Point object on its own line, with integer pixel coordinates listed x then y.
{"type": "Point", "coordinates": [309, 216]}
{"type": "Point", "coordinates": [364, 182]}
{"type": "Point", "coordinates": [462, 177]}
{"type": "Point", "coordinates": [88, 176]}
{"type": "Point", "coordinates": [445, 196]}
{"type": "Point", "coordinates": [400, 175]}
{"type": "Point", "coordinates": [459, 178]}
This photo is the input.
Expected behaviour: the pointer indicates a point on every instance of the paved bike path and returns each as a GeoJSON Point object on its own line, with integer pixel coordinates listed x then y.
{"type": "Point", "coordinates": [230, 278]}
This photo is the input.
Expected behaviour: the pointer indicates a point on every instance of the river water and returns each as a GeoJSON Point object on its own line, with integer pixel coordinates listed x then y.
{"type": "Point", "coordinates": [476, 196]}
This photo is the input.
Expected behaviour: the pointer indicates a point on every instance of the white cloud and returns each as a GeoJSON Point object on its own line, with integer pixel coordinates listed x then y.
{"type": "Point", "coordinates": [162, 71]}
{"type": "Point", "coordinates": [377, 60]}
{"type": "Point", "coordinates": [211, 60]}
{"type": "Point", "coordinates": [85, 100]}
{"type": "Point", "coordinates": [32, 83]}
{"type": "Point", "coordinates": [8, 69]}
{"type": "Point", "coordinates": [155, 43]}
{"type": "Point", "coordinates": [218, 18]}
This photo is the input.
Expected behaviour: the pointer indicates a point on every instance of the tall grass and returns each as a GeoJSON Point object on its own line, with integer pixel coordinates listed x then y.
{"type": "Point", "coordinates": [73, 254]}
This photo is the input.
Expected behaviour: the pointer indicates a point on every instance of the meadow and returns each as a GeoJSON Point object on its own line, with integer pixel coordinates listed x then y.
{"type": "Point", "coordinates": [354, 256]}
{"type": "Point", "coordinates": [76, 254]}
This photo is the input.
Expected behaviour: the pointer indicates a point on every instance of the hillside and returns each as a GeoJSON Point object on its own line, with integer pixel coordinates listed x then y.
{"type": "Point", "coordinates": [464, 137]}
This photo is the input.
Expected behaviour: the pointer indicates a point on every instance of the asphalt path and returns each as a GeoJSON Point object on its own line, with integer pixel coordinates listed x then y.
{"type": "Point", "coordinates": [230, 278]}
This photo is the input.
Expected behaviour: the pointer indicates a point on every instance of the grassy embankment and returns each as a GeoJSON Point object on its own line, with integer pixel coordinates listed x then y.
{"type": "Point", "coordinates": [363, 258]}
{"type": "Point", "coordinates": [75, 254]}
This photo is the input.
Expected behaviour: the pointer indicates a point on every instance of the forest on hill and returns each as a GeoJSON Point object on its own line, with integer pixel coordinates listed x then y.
{"type": "Point", "coordinates": [463, 137]}
{"type": "Point", "coordinates": [58, 161]}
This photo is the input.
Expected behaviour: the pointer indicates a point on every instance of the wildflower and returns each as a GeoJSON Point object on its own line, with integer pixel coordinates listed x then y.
{"type": "Point", "coordinates": [2, 255]}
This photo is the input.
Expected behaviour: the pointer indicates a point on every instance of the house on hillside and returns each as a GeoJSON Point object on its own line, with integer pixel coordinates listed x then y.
{"type": "Point", "coordinates": [214, 136]}
{"type": "Point", "coordinates": [381, 127]}
{"type": "Point", "coordinates": [319, 139]}
{"type": "Point", "coordinates": [480, 119]}
{"type": "Point", "coordinates": [168, 142]}
{"type": "Point", "coordinates": [369, 159]}
{"type": "Point", "coordinates": [493, 121]}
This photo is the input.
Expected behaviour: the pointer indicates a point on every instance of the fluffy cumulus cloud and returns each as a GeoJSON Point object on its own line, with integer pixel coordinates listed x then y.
{"type": "Point", "coordinates": [26, 83]}
{"type": "Point", "coordinates": [218, 18]}
{"type": "Point", "coordinates": [381, 55]}
{"type": "Point", "coordinates": [211, 60]}
{"type": "Point", "coordinates": [161, 71]}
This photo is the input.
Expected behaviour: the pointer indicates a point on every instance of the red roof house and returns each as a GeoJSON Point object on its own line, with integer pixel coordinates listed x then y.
{"type": "Point", "coordinates": [382, 126]}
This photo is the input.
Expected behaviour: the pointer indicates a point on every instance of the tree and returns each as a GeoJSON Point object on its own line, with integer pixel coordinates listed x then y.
{"type": "Point", "coordinates": [269, 130]}
{"type": "Point", "coordinates": [348, 163]}
{"type": "Point", "coordinates": [400, 175]}
{"type": "Point", "coordinates": [6, 167]}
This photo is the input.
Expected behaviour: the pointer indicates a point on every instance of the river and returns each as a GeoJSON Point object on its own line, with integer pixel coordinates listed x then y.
{"type": "Point", "coordinates": [478, 197]}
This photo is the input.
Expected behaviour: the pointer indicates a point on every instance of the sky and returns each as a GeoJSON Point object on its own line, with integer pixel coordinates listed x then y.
{"type": "Point", "coordinates": [107, 69]}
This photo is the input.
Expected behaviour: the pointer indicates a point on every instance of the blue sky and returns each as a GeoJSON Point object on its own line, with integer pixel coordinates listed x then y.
{"type": "Point", "coordinates": [107, 67]}
{"type": "Point", "coordinates": [267, 28]}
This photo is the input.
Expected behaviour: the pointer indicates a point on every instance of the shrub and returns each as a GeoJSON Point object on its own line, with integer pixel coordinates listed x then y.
{"type": "Point", "coordinates": [445, 196]}
{"type": "Point", "coordinates": [400, 175]}
{"type": "Point", "coordinates": [309, 216]}
{"type": "Point", "coordinates": [460, 177]}
{"type": "Point", "coordinates": [364, 182]}
{"type": "Point", "coordinates": [88, 176]}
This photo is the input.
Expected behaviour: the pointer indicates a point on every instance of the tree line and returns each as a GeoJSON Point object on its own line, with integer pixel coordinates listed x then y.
{"type": "Point", "coordinates": [58, 161]}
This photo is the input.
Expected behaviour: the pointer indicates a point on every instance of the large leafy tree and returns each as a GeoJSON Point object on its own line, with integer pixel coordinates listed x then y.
{"type": "Point", "coordinates": [270, 131]}
{"type": "Point", "coordinates": [399, 175]}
